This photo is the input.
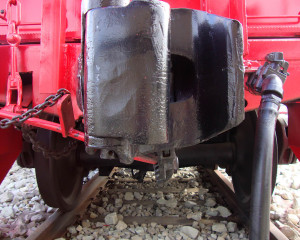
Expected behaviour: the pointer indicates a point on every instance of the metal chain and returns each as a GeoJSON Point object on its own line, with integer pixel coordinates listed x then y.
{"type": "Point", "coordinates": [49, 102]}
{"type": "Point", "coordinates": [30, 136]}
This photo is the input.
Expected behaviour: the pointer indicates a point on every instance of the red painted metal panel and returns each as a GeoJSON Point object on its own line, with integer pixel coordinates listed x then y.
{"type": "Point", "coordinates": [273, 19]}
{"type": "Point", "coordinates": [31, 18]}
{"type": "Point", "coordinates": [193, 4]}
{"type": "Point", "coordinates": [294, 129]}
{"type": "Point", "coordinates": [52, 40]}
{"type": "Point", "coordinates": [28, 60]}
{"type": "Point", "coordinates": [30, 28]}
{"type": "Point", "coordinates": [10, 148]}
{"type": "Point", "coordinates": [259, 48]}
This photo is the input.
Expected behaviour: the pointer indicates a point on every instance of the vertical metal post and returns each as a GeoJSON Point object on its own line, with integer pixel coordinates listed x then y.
{"type": "Point", "coordinates": [52, 45]}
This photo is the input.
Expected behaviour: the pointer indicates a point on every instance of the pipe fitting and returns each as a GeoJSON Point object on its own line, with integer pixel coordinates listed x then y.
{"type": "Point", "coordinates": [272, 84]}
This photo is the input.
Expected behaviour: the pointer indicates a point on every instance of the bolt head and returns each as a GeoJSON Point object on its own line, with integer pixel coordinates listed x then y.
{"type": "Point", "coordinates": [2, 11]}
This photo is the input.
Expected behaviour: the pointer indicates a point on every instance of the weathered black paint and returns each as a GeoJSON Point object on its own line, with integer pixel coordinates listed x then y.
{"type": "Point", "coordinates": [211, 99]}
{"type": "Point", "coordinates": [127, 85]}
{"type": "Point", "coordinates": [157, 81]}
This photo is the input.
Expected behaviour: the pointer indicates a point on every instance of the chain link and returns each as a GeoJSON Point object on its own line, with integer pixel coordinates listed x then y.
{"type": "Point", "coordinates": [49, 102]}
{"type": "Point", "coordinates": [29, 135]}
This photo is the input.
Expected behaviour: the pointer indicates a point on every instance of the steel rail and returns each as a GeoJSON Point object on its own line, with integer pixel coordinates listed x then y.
{"type": "Point", "coordinates": [225, 187]}
{"type": "Point", "coordinates": [56, 225]}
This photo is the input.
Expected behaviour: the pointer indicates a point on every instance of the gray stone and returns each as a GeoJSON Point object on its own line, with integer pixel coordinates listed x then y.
{"type": "Point", "coordinates": [214, 236]}
{"type": "Point", "coordinates": [161, 201]}
{"type": "Point", "coordinates": [296, 183]}
{"type": "Point", "coordinates": [79, 237]}
{"type": "Point", "coordinates": [6, 197]}
{"type": "Point", "coordinates": [293, 218]}
{"type": "Point", "coordinates": [87, 238]}
{"type": "Point", "coordinates": [21, 229]}
{"type": "Point", "coordinates": [194, 184]}
{"type": "Point", "coordinates": [286, 195]}
{"type": "Point", "coordinates": [195, 216]}
{"type": "Point", "coordinates": [86, 224]}
{"type": "Point", "coordinates": [224, 212]}
{"type": "Point", "coordinates": [212, 212]}
{"type": "Point", "coordinates": [220, 238]}
{"type": "Point", "coordinates": [111, 219]}
{"type": "Point", "coordinates": [50, 209]}
{"type": "Point", "coordinates": [171, 203]}
{"type": "Point", "coordinates": [210, 202]}
{"type": "Point", "coordinates": [232, 227]}
{"type": "Point", "coordinates": [36, 198]}
{"type": "Point", "coordinates": [21, 183]}
{"type": "Point", "coordinates": [190, 204]}
{"type": "Point", "coordinates": [219, 227]}
{"type": "Point", "coordinates": [136, 237]}
{"type": "Point", "coordinates": [93, 215]}
{"type": "Point", "coordinates": [151, 230]}
{"type": "Point", "coordinates": [79, 228]}
{"type": "Point", "coordinates": [138, 195]}
{"type": "Point", "coordinates": [118, 202]}
{"type": "Point", "coordinates": [129, 196]}
{"type": "Point", "coordinates": [93, 206]}
{"type": "Point", "coordinates": [139, 230]}
{"type": "Point", "coordinates": [99, 224]}
{"type": "Point", "coordinates": [121, 225]}
{"type": "Point", "coordinates": [159, 194]}
{"type": "Point", "coordinates": [170, 196]}
{"type": "Point", "coordinates": [31, 225]}
{"type": "Point", "coordinates": [190, 231]}
{"type": "Point", "coordinates": [37, 207]}
{"type": "Point", "coordinates": [234, 236]}
{"type": "Point", "coordinates": [72, 230]}
{"type": "Point", "coordinates": [8, 212]}
{"type": "Point", "coordinates": [37, 218]}
{"type": "Point", "coordinates": [296, 203]}
{"type": "Point", "coordinates": [275, 216]}
{"type": "Point", "coordinates": [202, 191]}
{"type": "Point", "coordinates": [153, 224]}
{"type": "Point", "coordinates": [101, 210]}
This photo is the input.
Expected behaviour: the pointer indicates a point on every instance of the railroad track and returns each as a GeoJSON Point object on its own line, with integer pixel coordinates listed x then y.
{"type": "Point", "coordinates": [56, 225]}
{"type": "Point", "coordinates": [226, 188]}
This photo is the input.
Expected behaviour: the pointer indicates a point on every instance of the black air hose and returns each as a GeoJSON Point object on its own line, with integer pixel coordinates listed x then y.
{"type": "Point", "coordinates": [263, 152]}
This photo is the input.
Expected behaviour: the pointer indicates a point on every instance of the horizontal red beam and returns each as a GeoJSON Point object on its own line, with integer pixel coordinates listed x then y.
{"type": "Point", "coordinates": [40, 123]}
{"type": "Point", "coordinates": [23, 24]}
{"type": "Point", "coordinates": [279, 16]}
{"type": "Point", "coordinates": [145, 159]}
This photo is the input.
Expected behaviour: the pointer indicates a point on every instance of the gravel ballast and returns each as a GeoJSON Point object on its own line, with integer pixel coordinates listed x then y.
{"type": "Point", "coordinates": [22, 208]}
